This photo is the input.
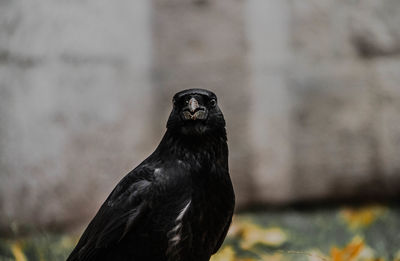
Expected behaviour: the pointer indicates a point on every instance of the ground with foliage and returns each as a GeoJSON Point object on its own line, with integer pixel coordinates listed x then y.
{"type": "Point", "coordinates": [363, 233]}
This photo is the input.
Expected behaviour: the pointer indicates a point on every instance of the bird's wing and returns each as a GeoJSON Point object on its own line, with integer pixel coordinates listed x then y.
{"type": "Point", "coordinates": [120, 213]}
{"type": "Point", "coordinates": [223, 235]}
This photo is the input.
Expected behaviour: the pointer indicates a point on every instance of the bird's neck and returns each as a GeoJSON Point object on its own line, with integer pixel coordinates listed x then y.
{"type": "Point", "coordinates": [208, 147]}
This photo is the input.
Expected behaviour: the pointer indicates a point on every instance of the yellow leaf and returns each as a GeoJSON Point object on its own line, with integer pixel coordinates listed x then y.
{"type": "Point", "coordinates": [348, 253]}
{"type": "Point", "coordinates": [252, 234]}
{"type": "Point", "coordinates": [234, 229]}
{"type": "Point", "coordinates": [68, 242]}
{"type": "Point", "coordinates": [225, 254]}
{"type": "Point", "coordinates": [397, 256]}
{"type": "Point", "coordinates": [361, 217]}
{"type": "Point", "coordinates": [16, 249]}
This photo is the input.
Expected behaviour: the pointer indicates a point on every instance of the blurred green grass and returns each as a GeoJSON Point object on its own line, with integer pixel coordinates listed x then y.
{"type": "Point", "coordinates": [369, 233]}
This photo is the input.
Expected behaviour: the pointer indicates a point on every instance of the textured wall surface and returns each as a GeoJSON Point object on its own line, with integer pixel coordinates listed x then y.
{"type": "Point", "coordinates": [74, 89]}
{"type": "Point", "coordinates": [338, 97]}
{"type": "Point", "coordinates": [310, 91]}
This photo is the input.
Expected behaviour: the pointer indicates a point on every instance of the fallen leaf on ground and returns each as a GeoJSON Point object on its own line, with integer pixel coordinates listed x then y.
{"type": "Point", "coordinates": [252, 234]}
{"type": "Point", "coordinates": [349, 252]}
{"type": "Point", "coordinates": [361, 217]}
{"type": "Point", "coordinates": [16, 249]}
{"type": "Point", "coordinates": [225, 254]}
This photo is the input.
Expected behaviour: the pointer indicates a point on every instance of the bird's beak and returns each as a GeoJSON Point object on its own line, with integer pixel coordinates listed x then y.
{"type": "Point", "coordinates": [193, 105]}
{"type": "Point", "coordinates": [194, 111]}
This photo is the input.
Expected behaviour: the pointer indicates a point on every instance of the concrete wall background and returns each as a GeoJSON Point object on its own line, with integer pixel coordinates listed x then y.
{"type": "Point", "coordinates": [75, 97]}
{"type": "Point", "coordinates": [310, 90]}
{"type": "Point", "coordinates": [321, 72]}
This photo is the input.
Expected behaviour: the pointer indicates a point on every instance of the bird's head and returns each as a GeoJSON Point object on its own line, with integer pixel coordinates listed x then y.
{"type": "Point", "coordinates": [195, 112]}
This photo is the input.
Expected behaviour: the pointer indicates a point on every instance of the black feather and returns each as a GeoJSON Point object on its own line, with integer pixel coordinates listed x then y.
{"type": "Point", "coordinates": [178, 203]}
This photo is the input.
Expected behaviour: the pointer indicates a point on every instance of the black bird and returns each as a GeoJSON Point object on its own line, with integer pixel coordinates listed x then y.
{"type": "Point", "coordinates": [177, 205]}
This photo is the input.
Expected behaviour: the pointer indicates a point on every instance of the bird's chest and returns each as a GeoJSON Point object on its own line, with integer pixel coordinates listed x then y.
{"type": "Point", "coordinates": [210, 211]}
{"type": "Point", "coordinates": [202, 213]}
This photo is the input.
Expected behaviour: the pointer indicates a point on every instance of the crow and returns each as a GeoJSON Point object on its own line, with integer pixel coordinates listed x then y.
{"type": "Point", "coordinates": [177, 205]}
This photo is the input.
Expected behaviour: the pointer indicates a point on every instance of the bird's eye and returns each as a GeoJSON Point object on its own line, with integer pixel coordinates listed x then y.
{"type": "Point", "coordinates": [213, 102]}
{"type": "Point", "coordinates": [174, 102]}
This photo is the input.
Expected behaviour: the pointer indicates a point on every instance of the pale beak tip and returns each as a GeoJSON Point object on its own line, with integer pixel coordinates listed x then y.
{"type": "Point", "coordinates": [193, 104]}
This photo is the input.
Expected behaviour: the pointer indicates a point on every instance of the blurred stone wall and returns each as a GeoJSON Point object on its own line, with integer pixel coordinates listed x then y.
{"type": "Point", "coordinates": [75, 95]}
{"type": "Point", "coordinates": [310, 91]}
{"type": "Point", "coordinates": [328, 92]}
